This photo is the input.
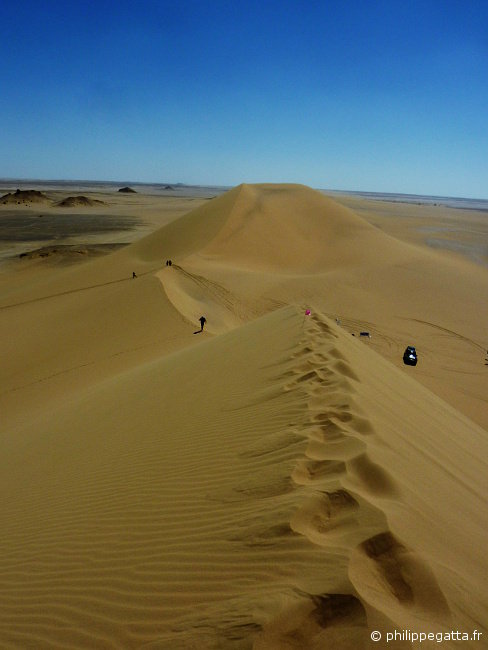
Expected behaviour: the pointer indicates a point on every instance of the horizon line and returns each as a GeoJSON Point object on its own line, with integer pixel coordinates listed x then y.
{"type": "Point", "coordinates": [371, 193]}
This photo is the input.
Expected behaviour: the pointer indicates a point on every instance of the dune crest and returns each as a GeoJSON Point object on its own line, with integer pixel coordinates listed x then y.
{"type": "Point", "coordinates": [249, 506]}
{"type": "Point", "coordinates": [273, 228]}
{"type": "Point", "coordinates": [288, 228]}
{"type": "Point", "coordinates": [260, 247]}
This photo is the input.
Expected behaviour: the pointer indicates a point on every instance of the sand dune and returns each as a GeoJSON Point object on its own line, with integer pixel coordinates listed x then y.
{"type": "Point", "coordinates": [271, 483]}
{"type": "Point", "coordinates": [324, 255]}
{"type": "Point", "coordinates": [283, 228]}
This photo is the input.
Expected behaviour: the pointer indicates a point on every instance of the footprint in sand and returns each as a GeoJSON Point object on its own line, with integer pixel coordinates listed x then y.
{"type": "Point", "coordinates": [308, 471]}
{"type": "Point", "coordinates": [330, 609]}
{"type": "Point", "coordinates": [389, 576]}
{"type": "Point", "coordinates": [355, 423]}
{"type": "Point", "coordinates": [308, 376]}
{"type": "Point", "coordinates": [323, 621]}
{"type": "Point", "coordinates": [324, 514]}
{"type": "Point", "coordinates": [329, 440]}
{"type": "Point", "coordinates": [304, 351]}
{"type": "Point", "coordinates": [326, 429]}
{"type": "Point", "coordinates": [366, 474]}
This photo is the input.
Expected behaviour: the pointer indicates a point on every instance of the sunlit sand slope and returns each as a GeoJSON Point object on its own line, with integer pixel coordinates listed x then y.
{"type": "Point", "coordinates": [279, 486]}
{"type": "Point", "coordinates": [270, 483]}
{"type": "Point", "coordinates": [261, 247]}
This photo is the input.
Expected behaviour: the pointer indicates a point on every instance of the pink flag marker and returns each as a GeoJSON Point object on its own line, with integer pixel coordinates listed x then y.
{"type": "Point", "coordinates": [307, 313]}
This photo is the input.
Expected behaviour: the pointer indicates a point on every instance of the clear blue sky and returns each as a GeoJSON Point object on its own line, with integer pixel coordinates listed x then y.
{"type": "Point", "coordinates": [357, 95]}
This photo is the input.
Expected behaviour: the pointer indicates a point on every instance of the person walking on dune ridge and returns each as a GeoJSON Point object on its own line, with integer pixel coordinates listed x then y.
{"type": "Point", "coordinates": [202, 320]}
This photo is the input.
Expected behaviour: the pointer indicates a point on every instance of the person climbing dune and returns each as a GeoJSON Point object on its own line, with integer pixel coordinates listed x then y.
{"type": "Point", "coordinates": [202, 320]}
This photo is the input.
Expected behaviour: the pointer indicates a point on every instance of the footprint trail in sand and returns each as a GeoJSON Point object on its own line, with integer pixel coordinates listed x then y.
{"type": "Point", "coordinates": [381, 569]}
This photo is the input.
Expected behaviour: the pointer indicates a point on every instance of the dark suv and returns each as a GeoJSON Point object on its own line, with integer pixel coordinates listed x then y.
{"type": "Point", "coordinates": [410, 356]}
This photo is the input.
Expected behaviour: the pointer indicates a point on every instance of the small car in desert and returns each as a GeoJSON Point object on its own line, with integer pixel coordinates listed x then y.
{"type": "Point", "coordinates": [410, 356]}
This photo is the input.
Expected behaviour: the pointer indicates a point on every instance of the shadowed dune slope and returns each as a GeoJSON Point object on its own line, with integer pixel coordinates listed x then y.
{"type": "Point", "coordinates": [268, 488]}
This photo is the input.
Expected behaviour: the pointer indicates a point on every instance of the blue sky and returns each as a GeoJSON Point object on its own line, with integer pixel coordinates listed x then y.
{"type": "Point", "coordinates": [387, 96]}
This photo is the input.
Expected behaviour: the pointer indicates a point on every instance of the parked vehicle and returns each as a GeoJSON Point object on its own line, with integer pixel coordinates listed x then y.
{"type": "Point", "coordinates": [410, 356]}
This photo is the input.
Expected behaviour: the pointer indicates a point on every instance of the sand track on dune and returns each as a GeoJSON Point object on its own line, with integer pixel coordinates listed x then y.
{"type": "Point", "coordinates": [382, 570]}
{"type": "Point", "coordinates": [193, 294]}
{"type": "Point", "coordinates": [452, 333]}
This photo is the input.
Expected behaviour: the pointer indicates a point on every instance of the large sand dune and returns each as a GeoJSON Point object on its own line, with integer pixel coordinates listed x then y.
{"type": "Point", "coordinates": [270, 483]}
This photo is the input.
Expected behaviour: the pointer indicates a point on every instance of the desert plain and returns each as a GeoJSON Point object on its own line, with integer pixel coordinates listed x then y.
{"type": "Point", "coordinates": [274, 482]}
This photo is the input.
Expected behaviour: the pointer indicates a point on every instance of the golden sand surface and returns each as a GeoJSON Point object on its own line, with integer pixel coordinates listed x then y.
{"type": "Point", "coordinates": [272, 482]}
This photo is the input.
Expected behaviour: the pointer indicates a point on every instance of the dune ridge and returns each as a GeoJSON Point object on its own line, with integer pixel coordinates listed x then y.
{"type": "Point", "coordinates": [264, 518]}
{"type": "Point", "coordinates": [369, 280]}
{"type": "Point", "coordinates": [270, 483]}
